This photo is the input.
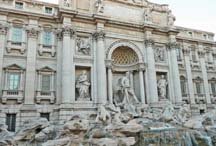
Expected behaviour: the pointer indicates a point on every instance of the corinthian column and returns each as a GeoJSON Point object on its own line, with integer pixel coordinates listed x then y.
{"type": "Point", "coordinates": [151, 72]}
{"type": "Point", "coordinates": [101, 68]}
{"type": "Point", "coordinates": [175, 72]}
{"type": "Point", "coordinates": [3, 33]}
{"type": "Point", "coordinates": [141, 83]}
{"type": "Point", "coordinates": [204, 73]}
{"type": "Point", "coordinates": [30, 81]}
{"type": "Point", "coordinates": [186, 52]}
{"type": "Point", "coordinates": [68, 71]}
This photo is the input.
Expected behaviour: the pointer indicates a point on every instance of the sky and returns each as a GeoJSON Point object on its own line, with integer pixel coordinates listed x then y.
{"type": "Point", "coordinates": [196, 14]}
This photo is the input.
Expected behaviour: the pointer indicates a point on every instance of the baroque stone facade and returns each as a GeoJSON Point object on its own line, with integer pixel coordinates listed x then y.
{"type": "Point", "coordinates": [57, 60]}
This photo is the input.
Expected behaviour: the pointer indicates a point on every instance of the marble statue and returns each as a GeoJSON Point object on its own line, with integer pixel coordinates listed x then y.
{"type": "Point", "coordinates": [83, 46]}
{"type": "Point", "coordinates": [171, 18]}
{"type": "Point", "coordinates": [100, 6]}
{"type": "Point", "coordinates": [162, 87]}
{"type": "Point", "coordinates": [67, 3]}
{"type": "Point", "coordinates": [127, 91]}
{"type": "Point", "coordinates": [148, 14]}
{"type": "Point", "coordinates": [103, 115]}
{"type": "Point", "coordinates": [83, 85]}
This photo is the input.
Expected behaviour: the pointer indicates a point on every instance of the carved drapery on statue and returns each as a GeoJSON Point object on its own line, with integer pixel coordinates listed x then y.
{"type": "Point", "coordinates": [162, 87]}
{"type": "Point", "coordinates": [83, 85]}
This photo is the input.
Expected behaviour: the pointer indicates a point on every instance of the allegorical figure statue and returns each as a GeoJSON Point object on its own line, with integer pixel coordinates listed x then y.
{"type": "Point", "coordinates": [83, 85]}
{"type": "Point", "coordinates": [171, 18]}
{"type": "Point", "coordinates": [127, 91]}
{"type": "Point", "coordinates": [162, 87]}
{"type": "Point", "coordinates": [148, 14]}
{"type": "Point", "coordinates": [100, 6]}
{"type": "Point", "coordinates": [67, 3]}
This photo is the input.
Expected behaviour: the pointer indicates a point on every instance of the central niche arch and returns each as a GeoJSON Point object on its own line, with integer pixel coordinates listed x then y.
{"type": "Point", "coordinates": [123, 56]}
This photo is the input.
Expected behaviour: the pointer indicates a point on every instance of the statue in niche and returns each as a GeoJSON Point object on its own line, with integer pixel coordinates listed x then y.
{"type": "Point", "coordinates": [162, 87]}
{"type": "Point", "coordinates": [126, 90]}
{"type": "Point", "coordinates": [100, 6]}
{"type": "Point", "coordinates": [66, 3]}
{"type": "Point", "coordinates": [159, 55]}
{"type": "Point", "coordinates": [83, 46]}
{"type": "Point", "coordinates": [171, 18]}
{"type": "Point", "coordinates": [148, 14]}
{"type": "Point", "coordinates": [83, 85]}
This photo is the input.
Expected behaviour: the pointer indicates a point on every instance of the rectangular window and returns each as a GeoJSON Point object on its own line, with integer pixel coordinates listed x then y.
{"type": "Point", "coordinates": [45, 115]}
{"type": "Point", "coordinates": [213, 88]}
{"type": "Point", "coordinates": [48, 10]}
{"type": "Point", "coordinates": [183, 87]}
{"type": "Point", "coordinates": [46, 82]}
{"type": "Point", "coordinates": [199, 88]}
{"type": "Point", "coordinates": [193, 55]}
{"type": "Point", "coordinates": [47, 38]}
{"type": "Point", "coordinates": [178, 53]}
{"type": "Point", "coordinates": [19, 5]}
{"type": "Point", "coordinates": [13, 81]}
{"type": "Point", "coordinates": [17, 34]}
{"type": "Point", "coordinates": [11, 122]}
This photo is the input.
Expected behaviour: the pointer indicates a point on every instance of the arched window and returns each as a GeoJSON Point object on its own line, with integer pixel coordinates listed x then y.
{"type": "Point", "coordinates": [212, 83]}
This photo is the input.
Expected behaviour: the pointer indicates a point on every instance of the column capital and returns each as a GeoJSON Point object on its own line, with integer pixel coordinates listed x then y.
{"type": "Point", "coordinates": [172, 45]}
{"type": "Point", "coordinates": [201, 53]}
{"type": "Point", "coordinates": [149, 42]}
{"type": "Point", "coordinates": [32, 32]}
{"type": "Point", "coordinates": [141, 67]}
{"type": "Point", "coordinates": [3, 29]}
{"type": "Point", "coordinates": [99, 34]}
{"type": "Point", "coordinates": [186, 51]}
{"type": "Point", "coordinates": [68, 31]}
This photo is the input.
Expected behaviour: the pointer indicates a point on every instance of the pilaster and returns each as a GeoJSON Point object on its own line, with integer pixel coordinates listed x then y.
{"type": "Point", "coordinates": [30, 80]}
{"type": "Point", "coordinates": [3, 34]}
{"type": "Point", "coordinates": [186, 52]}
{"type": "Point", "coordinates": [204, 73]}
